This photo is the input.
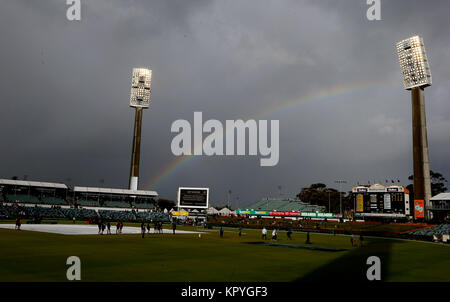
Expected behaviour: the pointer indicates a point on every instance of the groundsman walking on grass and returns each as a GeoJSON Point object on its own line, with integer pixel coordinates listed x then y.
{"type": "Point", "coordinates": [18, 224]}
{"type": "Point", "coordinates": [274, 234]}
{"type": "Point", "coordinates": [308, 241]}
{"type": "Point", "coordinates": [143, 229]}
{"type": "Point", "coordinates": [264, 233]}
{"type": "Point", "coordinates": [289, 233]}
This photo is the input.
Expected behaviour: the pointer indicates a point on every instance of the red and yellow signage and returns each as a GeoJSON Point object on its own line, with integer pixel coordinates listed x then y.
{"type": "Point", "coordinates": [284, 213]}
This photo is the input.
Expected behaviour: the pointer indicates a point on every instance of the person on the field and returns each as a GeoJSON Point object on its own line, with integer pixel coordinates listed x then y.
{"type": "Point", "coordinates": [352, 239]}
{"type": "Point", "coordinates": [221, 232]}
{"type": "Point", "coordinates": [308, 239]}
{"type": "Point", "coordinates": [18, 224]}
{"type": "Point", "coordinates": [117, 227]}
{"type": "Point", "coordinates": [148, 227]}
{"type": "Point", "coordinates": [274, 234]}
{"type": "Point", "coordinates": [264, 233]}
{"type": "Point", "coordinates": [121, 227]}
{"type": "Point", "coordinates": [174, 226]}
{"type": "Point", "coordinates": [99, 226]}
{"type": "Point", "coordinates": [143, 229]}
{"type": "Point", "coordinates": [240, 231]}
{"type": "Point", "coordinates": [289, 233]}
{"type": "Point", "coordinates": [108, 226]}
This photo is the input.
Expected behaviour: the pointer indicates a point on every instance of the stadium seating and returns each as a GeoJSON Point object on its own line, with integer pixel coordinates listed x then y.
{"type": "Point", "coordinates": [88, 203]}
{"type": "Point", "coordinates": [116, 204]}
{"type": "Point", "coordinates": [285, 205]}
{"type": "Point", "coordinates": [443, 229]}
{"type": "Point", "coordinates": [78, 213]}
{"type": "Point", "coordinates": [133, 215]}
{"type": "Point", "coordinates": [11, 212]}
{"type": "Point", "coordinates": [117, 215]}
{"type": "Point", "coordinates": [30, 212]}
{"type": "Point", "coordinates": [22, 198]}
{"type": "Point", "coordinates": [43, 212]}
{"type": "Point", "coordinates": [4, 213]}
{"type": "Point", "coordinates": [144, 206]}
{"type": "Point", "coordinates": [53, 201]}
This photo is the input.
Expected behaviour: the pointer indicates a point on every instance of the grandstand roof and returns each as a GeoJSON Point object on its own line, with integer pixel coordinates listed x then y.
{"type": "Point", "coordinates": [441, 196]}
{"type": "Point", "coordinates": [32, 184]}
{"type": "Point", "coordinates": [115, 191]}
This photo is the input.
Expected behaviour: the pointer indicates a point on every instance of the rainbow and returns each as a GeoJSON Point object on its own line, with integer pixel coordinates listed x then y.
{"type": "Point", "coordinates": [328, 93]}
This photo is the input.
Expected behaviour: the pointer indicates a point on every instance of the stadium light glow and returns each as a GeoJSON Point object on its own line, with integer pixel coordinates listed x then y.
{"type": "Point", "coordinates": [414, 63]}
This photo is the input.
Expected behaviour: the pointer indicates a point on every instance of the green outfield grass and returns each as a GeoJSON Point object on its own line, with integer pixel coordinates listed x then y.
{"type": "Point", "coordinates": [33, 256]}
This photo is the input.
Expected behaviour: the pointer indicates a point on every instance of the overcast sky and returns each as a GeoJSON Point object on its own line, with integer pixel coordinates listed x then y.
{"type": "Point", "coordinates": [65, 90]}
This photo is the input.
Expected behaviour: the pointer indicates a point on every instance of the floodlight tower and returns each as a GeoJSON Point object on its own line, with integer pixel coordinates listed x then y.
{"type": "Point", "coordinates": [416, 76]}
{"type": "Point", "coordinates": [340, 182]}
{"type": "Point", "coordinates": [141, 81]}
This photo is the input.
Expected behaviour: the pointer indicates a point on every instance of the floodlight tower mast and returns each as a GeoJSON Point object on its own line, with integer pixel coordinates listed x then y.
{"type": "Point", "coordinates": [416, 76]}
{"type": "Point", "coordinates": [141, 80]}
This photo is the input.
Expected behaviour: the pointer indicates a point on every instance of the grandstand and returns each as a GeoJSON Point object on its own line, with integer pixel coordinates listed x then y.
{"type": "Point", "coordinates": [113, 198]}
{"type": "Point", "coordinates": [44, 200]}
{"type": "Point", "coordinates": [288, 204]}
{"type": "Point", "coordinates": [38, 212]}
{"type": "Point", "coordinates": [440, 207]}
{"type": "Point", "coordinates": [57, 194]}
{"type": "Point", "coordinates": [32, 192]}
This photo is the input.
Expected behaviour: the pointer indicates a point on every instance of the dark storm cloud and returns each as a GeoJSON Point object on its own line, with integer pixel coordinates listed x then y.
{"type": "Point", "coordinates": [65, 86]}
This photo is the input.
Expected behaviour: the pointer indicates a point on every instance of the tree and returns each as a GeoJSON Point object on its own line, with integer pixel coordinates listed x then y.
{"type": "Point", "coordinates": [319, 194]}
{"type": "Point", "coordinates": [165, 204]}
{"type": "Point", "coordinates": [437, 184]}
